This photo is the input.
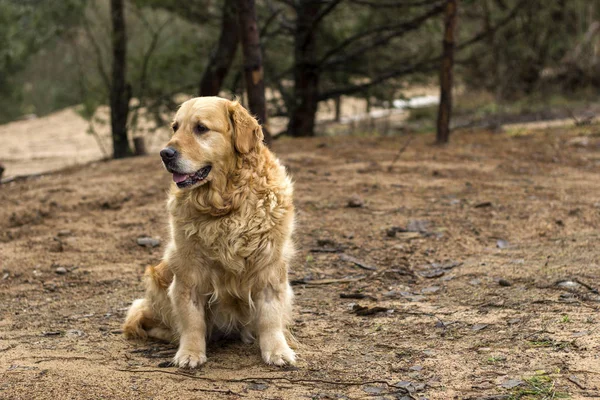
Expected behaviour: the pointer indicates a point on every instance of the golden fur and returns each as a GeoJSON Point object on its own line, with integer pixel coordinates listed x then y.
{"type": "Point", "coordinates": [225, 267]}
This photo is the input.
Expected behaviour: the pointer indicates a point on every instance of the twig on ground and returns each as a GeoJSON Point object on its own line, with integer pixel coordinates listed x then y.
{"type": "Point", "coordinates": [317, 250]}
{"type": "Point", "coordinates": [585, 285]}
{"type": "Point", "coordinates": [573, 379]}
{"type": "Point", "coordinates": [325, 281]}
{"type": "Point", "coordinates": [228, 391]}
{"type": "Point", "coordinates": [46, 359]}
{"type": "Point", "coordinates": [400, 151]}
{"type": "Point", "coordinates": [262, 378]}
{"type": "Point", "coordinates": [357, 262]}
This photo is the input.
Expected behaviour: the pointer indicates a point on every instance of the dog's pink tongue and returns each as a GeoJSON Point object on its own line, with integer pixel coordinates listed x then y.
{"type": "Point", "coordinates": [179, 177]}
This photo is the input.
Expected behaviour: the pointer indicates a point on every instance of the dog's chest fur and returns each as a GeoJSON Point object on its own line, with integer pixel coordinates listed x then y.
{"type": "Point", "coordinates": [254, 233]}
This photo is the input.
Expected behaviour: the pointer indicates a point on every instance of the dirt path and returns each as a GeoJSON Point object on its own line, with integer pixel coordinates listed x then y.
{"type": "Point", "coordinates": [474, 308]}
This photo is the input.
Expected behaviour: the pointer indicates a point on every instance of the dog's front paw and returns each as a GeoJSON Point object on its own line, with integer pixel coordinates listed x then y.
{"type": "Point", "coordinates": [189, 359]}
{"type": "Point", "coordinates": [281, 355]}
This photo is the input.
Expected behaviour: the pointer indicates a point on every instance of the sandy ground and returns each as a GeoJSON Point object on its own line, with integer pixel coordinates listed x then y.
{"type": "Point", "coordinates": [486, 262]}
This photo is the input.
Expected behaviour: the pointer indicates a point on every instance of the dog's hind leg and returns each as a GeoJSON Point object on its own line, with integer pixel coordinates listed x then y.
{"type": "Point", "coordinates": [138, 316]}
{"type": "Point", "coordinates": [150, 316]}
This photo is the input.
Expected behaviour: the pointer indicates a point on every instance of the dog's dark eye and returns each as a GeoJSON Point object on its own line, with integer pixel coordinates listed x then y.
{"type": "Point", "coordinates": [200, 129]}
{"type": "Point", "coordinates": [175, 126]}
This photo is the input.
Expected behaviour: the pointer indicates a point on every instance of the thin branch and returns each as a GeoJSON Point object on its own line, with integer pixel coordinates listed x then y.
{"type": "Point", "coordinates": [322, 14]}
{"type": "Point", "coordinates": [268, 22]}
{"type": "Point", "coordinates": [99, 58]}
{"type": "Point", "coordinates": [402, 150]}
{"type": "Point", "coordinates": [394, 30]}
{"type": "Point", "coordinates": [493, 29]}
{"type": "Point", "coordinates": [423, 66]}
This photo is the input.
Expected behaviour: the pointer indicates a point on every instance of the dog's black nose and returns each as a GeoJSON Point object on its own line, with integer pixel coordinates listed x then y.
{"type": "Point", "coordinates": [168, 153]}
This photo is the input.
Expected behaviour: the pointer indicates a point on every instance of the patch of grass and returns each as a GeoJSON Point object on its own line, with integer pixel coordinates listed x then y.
{"type": "Point", "coordinates": [565, 319]}
{"type": "Point", "coordinates": [547, 342]}
{"type": "Point", "coordinates": [496, 359]}
{"type": "Point", "coordinates": [538, 387]}
{"type": "Point", "coordinates": [481, 104]}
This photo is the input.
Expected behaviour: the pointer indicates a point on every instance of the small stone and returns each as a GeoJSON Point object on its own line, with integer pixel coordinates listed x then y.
{"type": "Point", "coordinates": [568, 284]}
{"type": "Point", "coordinates": [504, 282]}
{"type": "Point", "coordinates": [416, 368]}
{"type": "Point", "coordinates": [257, 386]}
{"type": "Point", "coordinates": [391, 232]}
{"type": "Point", "coordinates": [580, 334]}
{"type": "Point", "coordinates": [434, 273]}
{"type": "Point", "coordinates": [430, 290]}
{"type": "Point", "coordinates": [512, 383]}
{"type": "Point", "coordinates": [501, 244]}
{"type": "Point", "coordinates": [374, 389]}
{"type": "Point", "coordinates": [60, 271]}
{"type": "Point", "coordinates": [64, 232]}
{"type": "Point", "coordinates": [355, 202]}
{"type": "Point", "coordinates": [419, 386]}
{"type": "Point", "coordinates": [479, 327]}
{"type": "Point", "coordinates": [416, 225]}
{"type": "Point", "coordinates": [50, 287]}
{"type": "Point", "coordinates": [513, 321]}
{"type": "Point", "coordinates": [148, 242]}
{"type": "Point", "coordinates": [412, 297]}
{"type": "Point", "coordinates": [326, 243]}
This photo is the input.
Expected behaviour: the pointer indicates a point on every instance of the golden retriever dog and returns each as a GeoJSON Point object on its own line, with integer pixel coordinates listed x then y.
{"type": "Point", "coordinates": [231, 217]}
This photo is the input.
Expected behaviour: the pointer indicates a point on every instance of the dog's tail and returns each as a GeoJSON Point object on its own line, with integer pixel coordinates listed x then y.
{"type": "Point", "coordinates": [150, 316]}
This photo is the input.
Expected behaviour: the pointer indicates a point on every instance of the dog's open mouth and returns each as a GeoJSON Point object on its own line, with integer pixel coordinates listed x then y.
{"type": "Point", "coordinates": [185, 180]}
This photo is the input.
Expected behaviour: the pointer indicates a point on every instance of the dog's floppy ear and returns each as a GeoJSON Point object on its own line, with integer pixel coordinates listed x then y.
{"type": "Point", "coordinates": [247, 133]}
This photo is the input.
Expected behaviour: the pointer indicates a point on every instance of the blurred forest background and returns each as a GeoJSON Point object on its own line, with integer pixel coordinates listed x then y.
{"type": "Point", "coordinates": [322, 60]}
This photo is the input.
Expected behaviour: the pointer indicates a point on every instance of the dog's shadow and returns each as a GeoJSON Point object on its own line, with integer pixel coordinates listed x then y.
{"type": "Point", "coordinates": [229, 349]}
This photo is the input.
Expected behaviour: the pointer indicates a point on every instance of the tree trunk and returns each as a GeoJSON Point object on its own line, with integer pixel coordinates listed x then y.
{"type": "Point", "coordinates": [445, 109]}
{"type": "Point", "coordinates": [253, 65]}
{"type": "Point", "coordinates": [306, 75]}
{"type": "Point", "coordinates": [223, 54]}
{"type": "Point", "coordinates": [120, 91]}
{"type": "Point", "coordinates": [338, 108]}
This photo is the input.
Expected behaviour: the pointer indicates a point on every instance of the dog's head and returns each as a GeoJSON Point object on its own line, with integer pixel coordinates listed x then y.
{"type": "Point", "coordinates": [209, 133]}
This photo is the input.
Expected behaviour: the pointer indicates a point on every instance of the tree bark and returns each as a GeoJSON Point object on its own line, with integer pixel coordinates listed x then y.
{"type": "Point", "coordinates": [223, 54]}
{"type": "Point", "coordinates": [253, 65]}
{"type": "Point", "coordinates": [445, 108]}
{"type": "Point", "coordinates": [338, 108]}
{"type": "Point", "coordinates": [306, 74]}
{"type": "Point", "coordinates": [120, 91]}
